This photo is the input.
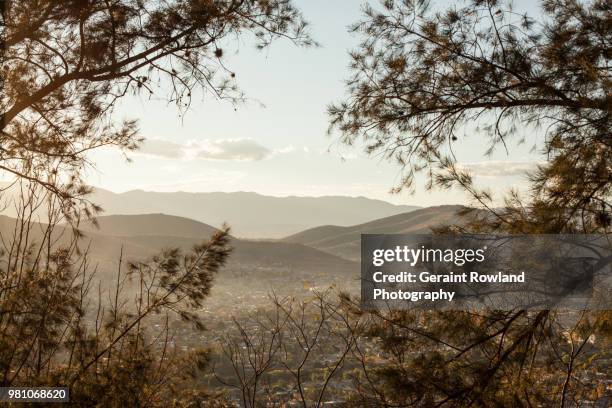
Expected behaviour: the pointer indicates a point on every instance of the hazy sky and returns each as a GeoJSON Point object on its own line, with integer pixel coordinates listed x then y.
{"type": "Point", "coordinates": [276, 143]}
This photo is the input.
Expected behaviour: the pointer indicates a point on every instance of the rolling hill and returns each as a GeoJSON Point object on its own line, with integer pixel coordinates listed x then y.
{"type": "Point", "coordinates": [141, 236]}
{"type": "Point", "coordinates": [315, 257]}
{"type": "Point", "coordinates": [345, 241]}
{"type": "Point", "coordinates": [149, 224]}
{"type": "Point", "coordinates": [254, 271]}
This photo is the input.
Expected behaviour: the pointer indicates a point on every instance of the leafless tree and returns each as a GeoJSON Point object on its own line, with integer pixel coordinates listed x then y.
{"type": "Point", "coordinates": [295, 352]}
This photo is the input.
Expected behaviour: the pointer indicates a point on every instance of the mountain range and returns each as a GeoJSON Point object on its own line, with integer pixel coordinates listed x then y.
{"type": "Point", "coordinates": [329, 245]}
{"type": "Point", "coordinates": [251, 215]}
{"type": "Point", "coordinates": [321, 256]}
{"type": "Point", "coordinates": [141, 235]}
{"type": "Point", "coordinates": [145, 234]}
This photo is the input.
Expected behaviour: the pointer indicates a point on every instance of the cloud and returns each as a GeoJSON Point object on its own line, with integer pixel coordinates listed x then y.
{"type": "Point", "coordinates": [162, 148]}
{"type": "Point", "coordinates": [233, 149]}
{"type": "Point", "coordinates": [499, 168]}
{"type": "Point", "coordinates": [285, 150]}
{"type": "Point", "coordinates": [245, 149]}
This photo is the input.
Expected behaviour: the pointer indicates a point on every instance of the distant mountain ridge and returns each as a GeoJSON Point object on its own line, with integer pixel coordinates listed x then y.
{"type": "Point", "coordinates": [345, 241]}
{"type": "Point", "coordinates": [251, 215]}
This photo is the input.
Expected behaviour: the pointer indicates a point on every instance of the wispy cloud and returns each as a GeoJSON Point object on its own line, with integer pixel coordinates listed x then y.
{"type": "Point", "coordinates": [244, 149]}
{"type": "Point", "coordinates": [499, 168]}
{"type": "Point", "coordinates": [162, 148]}
{"type": "Point", "coordinates": [232, 149]}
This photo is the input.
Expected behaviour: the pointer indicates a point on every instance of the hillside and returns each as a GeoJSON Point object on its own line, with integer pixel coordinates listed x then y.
{"type": "Point", "coordinates": [141, 236]}
{"type": "Point", "coordinates": [345, 241]}
{"type": "Point", "coordinates": [149, 224]}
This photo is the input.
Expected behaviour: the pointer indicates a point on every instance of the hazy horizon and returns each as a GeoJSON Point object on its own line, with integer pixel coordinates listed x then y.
{"type": "Point", "coordinates": [250, 214]}
{"type": "Point", "coordinates": [272, 194]}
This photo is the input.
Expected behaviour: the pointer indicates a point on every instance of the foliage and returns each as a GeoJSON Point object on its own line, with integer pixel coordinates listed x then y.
{"type": "Point", "coordinates": [65, 64]}
{"type": "Point", "coordinates": [420, 81]}
{"type": "Point", "coordinates": [64, 67]}
{"type": "Point", "coordinates": [111, 346]}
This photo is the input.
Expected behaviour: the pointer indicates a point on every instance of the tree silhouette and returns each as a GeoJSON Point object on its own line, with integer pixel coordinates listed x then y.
{"type": "Point", "coordinates": [418, 80]}
{"type": "Point", "coordinates": [65, 65]}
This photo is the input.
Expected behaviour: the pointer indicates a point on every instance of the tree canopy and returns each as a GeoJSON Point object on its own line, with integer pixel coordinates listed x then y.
{"type": "Point", "coordinates": [419, 78]}
{"type": "Point", "coordinates": [419, 81]}
{"type": "Point", "coordinates": [66, 63]}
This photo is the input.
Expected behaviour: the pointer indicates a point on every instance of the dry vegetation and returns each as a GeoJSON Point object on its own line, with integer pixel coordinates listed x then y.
{"type": "Point", "coordinates": [137, 339]}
